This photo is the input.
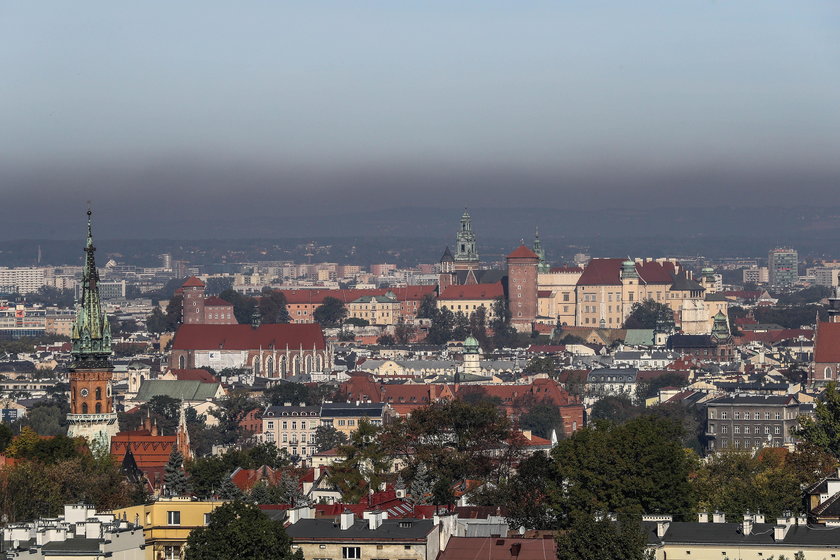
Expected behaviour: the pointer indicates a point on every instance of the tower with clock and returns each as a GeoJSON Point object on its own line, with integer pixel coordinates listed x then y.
{"type": "Point", "coordinates": [92, 413]}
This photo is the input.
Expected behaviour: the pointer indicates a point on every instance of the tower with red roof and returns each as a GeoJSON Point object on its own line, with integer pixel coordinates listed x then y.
{"type": "Point", "coordinates": [522, 266]}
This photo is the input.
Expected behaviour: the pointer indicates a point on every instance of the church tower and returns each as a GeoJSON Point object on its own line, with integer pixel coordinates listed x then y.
{"type": "Point", "coordinates": [538, 249]}
{"type": "Point", "coordinates": [91, 399]}
{"type": "Point", "coordinates": [466, 253]}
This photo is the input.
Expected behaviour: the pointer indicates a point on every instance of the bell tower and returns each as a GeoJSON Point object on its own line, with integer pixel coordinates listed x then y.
{"type": "Point", "coordinates": [91, 399]}
{"type": "Point", "coordinates": [466, 253]}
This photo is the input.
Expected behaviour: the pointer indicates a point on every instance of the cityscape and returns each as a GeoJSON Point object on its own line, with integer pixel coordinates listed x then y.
{"type": "Point", "coordinates": [420, 282]}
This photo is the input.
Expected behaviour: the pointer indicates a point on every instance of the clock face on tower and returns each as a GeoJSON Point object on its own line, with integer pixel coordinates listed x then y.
{"type": "Point", "coordinates": [84, 392]}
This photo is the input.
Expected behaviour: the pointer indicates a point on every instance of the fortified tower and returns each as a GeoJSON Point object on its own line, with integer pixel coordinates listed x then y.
{"type": "Point", "coordinates": [522, 265]}
{"type": "Point", "coordinates": [92, 413]}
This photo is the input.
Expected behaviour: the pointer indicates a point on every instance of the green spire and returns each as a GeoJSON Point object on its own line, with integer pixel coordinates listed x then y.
{"type": "Point", "coordinates": [720, 329]}
{"type": "Point", "coordinates": [538, 249]}
{"type": "Point", "coordinates": [91, 331]}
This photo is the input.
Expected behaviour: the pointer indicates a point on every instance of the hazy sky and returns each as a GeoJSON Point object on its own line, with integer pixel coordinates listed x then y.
{"type": "Point", "coordinates": [260, 108]}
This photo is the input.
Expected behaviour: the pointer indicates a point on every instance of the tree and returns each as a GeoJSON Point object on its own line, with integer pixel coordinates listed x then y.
{"type": "Point", "coordinates": [386, 340]}
{"type": "Point", "coordinates": [5, 436]}
{"type": "Point", "coordinates": [427, 308]}
{"type": "Point", "coordinates": [330, 313]}
{"type": "Point", "coordinates": [357, 322]}
{"type": "Point", "coordinates": [442, 494]}
{"type": "Point", "coordinates": [440, 331]}
{"type": "Point", "coordinates": [823, 430]}
{"type": "Point", "coordinates": [652, 387]}
{"type": "Point", "coordinates": [404, 332]}
{"type": "Point", "coordinates": [174, 478]}
{"type": "Point", "coordinates": [156, 322]}
{"type": "Point", "coordinates": [273, 307]}
{"type": "Point", "coordinates": [460, 326]}
{"type": "Point", "coordinates": [644, 314]}
{"type": "Point", "coordinates": [327, 437]}
{"type": "Point", "coordinates": [542, 418]}
{"type": "Point", "coordinates": [420, 490]}
{"type": "Point", "coordinates": [230, 491]}
{"type": "Point", "coordinates": [240, 530]}
{"type": "Point", "coordinates": [637, 467]}
{"type": "Point", "coordinates": [588, 538]}
{"type": "Point", "coordinates": [243, 306]}
{"type": "Point", "coordinates": [478, 327]}
{"type": "Point", "coordinates": [174, 313]}
{"type": "Point", "coordinates": [615, 408]}
{"type": "Point", "coordinates": [540, 365]}
{"type": "Point", "coordinates": [504, 335]}
{"type": "Point", "coordinates": [290, 492]}
{"type": "Point", "coordinates": [365, 463]}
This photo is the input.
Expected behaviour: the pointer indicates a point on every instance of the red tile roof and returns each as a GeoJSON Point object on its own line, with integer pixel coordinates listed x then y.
{"type": "Point", "coordinates": [150, 452]}
{"type": "Point", "coordinates": [827, 347]}
{"type": "Point", "coordinates": [192, 282]}
{"type": "Point", "coordinates": [245, 337]}
{"type": "Point", "coordinates": [494, 548]}
{"type": "Point", "coordinates": [607, 272]}
{"type": "Point", "coordinates": [216, 302]}
{"type": "Point", "coordinates": [473, 292]}
{"type": "Point", "coordinates": [194, 375]}
{"type": "Point", "coordinates": [523, 252]}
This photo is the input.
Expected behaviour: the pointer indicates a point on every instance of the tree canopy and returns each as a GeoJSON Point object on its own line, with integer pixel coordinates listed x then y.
{"type": "Point", "coordinates": [330, 313]}
{"type": "Point", "coordinates": [240, 530]}
{"type": "Point", "coordinates": [644, 314]}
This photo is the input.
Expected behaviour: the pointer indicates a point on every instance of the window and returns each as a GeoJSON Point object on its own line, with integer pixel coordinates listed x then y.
{"type": "Point", "coordinates": [777, 430]}
{"type": "Point", "coordinates": [724, 429]}
{"type": "Point", "coordinates": [746, 429]}
{"type": "Point", "coordinates": [173, 517]}
{"type": "Point", "coordinates": [172, 552]}
{"type": "Point", "coordinates": [348, 552]}
{"type": "Point", "coordinates": [712, 413]}
{"type": "Point", "coordinates": [767, 416]}
{"type": "Point", "coordinates": [756, 416]}
{"type": "Point", "coordinates": [341, 422]}
{"type": "Point", "coordinates": [271, 425]}
{"type": "Point", "coordinates": [711, 428]}
{"type": "Point", "coordinates": [724, 415]}
{"type": "Point", "coordinates": [207, 519]}
{"type": "Point", "coordinates": [285, 425]}
{"type": "Point", "coordinates": [737, 415]}
{"type": "Point", "coordinates": [737, 429]}
{"type": "Point", "coordinates": [778, 416]}
{"type": "Point", "coordinates": [294, 425]}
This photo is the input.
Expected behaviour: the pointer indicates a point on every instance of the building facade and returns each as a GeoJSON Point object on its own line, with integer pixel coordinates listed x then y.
{"type": "Point", "coordinates": [783, 267]}
{"type": "Point", "coordinates": [751, 422]}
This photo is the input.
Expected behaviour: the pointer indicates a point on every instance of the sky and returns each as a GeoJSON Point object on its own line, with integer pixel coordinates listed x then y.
{"type": "Point", "coordinates": [257, 110]}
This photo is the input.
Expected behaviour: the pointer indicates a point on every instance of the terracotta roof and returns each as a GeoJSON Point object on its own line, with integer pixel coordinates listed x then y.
{"type": "Point", "coordinates": [194, 375]}
{"type": "Point", "coordinates": [607, 272]}
{"type": "Point", "coordinates": [214, 301]}
{"type": "Point", "coordinates": [150, 452]}
{"type": "Point", "coordinates": [192, 282]}
{"type": "Point", "coordinates": [245, 337]}
{"type": "Point", "coordinates": [827, 347]}
{"type": "Point", "coordinates": [473, 292]}
{"type": "Point", "coordinates": [543, 293]}
{"type": "Point", "coordinates": [654, 272]}
{"type": "Point", "coordinates": [523, 252]}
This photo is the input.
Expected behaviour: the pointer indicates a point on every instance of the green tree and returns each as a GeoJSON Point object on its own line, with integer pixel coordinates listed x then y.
{"type": "Point", "coordinates": [504, 335]}
{"type": "Point", "coordinates": [404, 332]}
{"type": "Point", "coordinates": [290, 392]}
{"type": "Point", "coordinates": [460, 326]}
{"type": "Point", "coordinates": [230, 491]}
{"type": "Point", "coordinates": [240, 530]}
{"type": "Point", "coordinates": [615, 408]}
{"type": "Point", "coordinates": [440, 331]}
{"type": "Point", "coordinates": [637, 467]}
{"type": "Point", "coordinates": [5, 437]}
{"type": "Point", "coordinates": [156, 322]}
{"type": "Point", "coordinates": [386, 340]}
{"type": "Point", "coordinates": [174, 477]}
{"type": "Point", "coordinates": [328, 437]}
{"type": "Point", "coordinates": [478, 327]}
{"type": "Point", "coordinates": [540, 365]}
{"type": "Point", "coordinates": [652, 387]}
{"type": "Point", "coordinates": [365, 463]}
{"type": "Point", "coordinates": [357, 322]}
{"type": "Point", "coordinates": [330, 313]}
{"type": "Point", "coordinates": [427, 308]}
{"type": "Point", "coordinates": [273, 307]}
{"type": "Point", "coordinates": [588, 538]}
{"type": "Point", "coordinates": [644, 314]}
{"type": "Point", "coordinates": [823, 430]}
{"type": "Point", "coordinates": [420, 490]}
{"type": "Point", "coordinates": [174, 313]}
{"type": "Point", "coordinates": [542, 418]}
{"type": "Point", "coordinates": [243, 306]}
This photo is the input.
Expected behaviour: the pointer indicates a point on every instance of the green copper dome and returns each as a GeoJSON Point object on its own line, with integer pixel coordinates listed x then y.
{"type": "Point", "coordinates": [471, 346]}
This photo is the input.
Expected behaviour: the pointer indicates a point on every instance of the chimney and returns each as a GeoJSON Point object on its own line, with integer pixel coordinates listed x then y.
{"type": "Point", "coordinates": [718, 517]}
{"type": "Point", "coordinates": [801, 520]}
{"type": "Point", "coordinates": [154, 428]}
{"type": "Point", "coordinates": [758, 518]}
{"type": "Point", "coordinates": [346, 519]}
{"type": "Point", "coordinates": [661, 528]}
{"type": "Point", "coordinates": [747, 525]}
{"type": "Point", "coordinates": [374, 520]}
{"type": "Point", "coordinates": [780, 532]}
{"type": "Point", "coordinates": [702, 517]}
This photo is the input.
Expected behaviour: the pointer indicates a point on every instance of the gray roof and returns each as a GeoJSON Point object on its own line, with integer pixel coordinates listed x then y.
{"type": "Point", "coordinates": [639, 337]}
{"type": "Point", "coordinates": [285, 411]}
{"type": "Point", "coordinates": [623, 375]}
{"type": "Point", "coordinates": [391, 529]}
{"type": "Point", "coordinates": [177, 389]}
{"type": "Point", "coordinates": [760, 400]}
{"type": "Point", "coordinates": [71, 546]}
{"type": "Point", "coordinates": [352, 409]}
{"type": "Point", "coordinates": [730, 533]}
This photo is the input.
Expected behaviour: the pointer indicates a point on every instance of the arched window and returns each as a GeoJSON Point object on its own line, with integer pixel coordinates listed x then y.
{"type": "Point", "coordinates": [319, 363]}
{"type": "Point", "coordinates": [99, 393]}
{"type": "Point", "coordinates": [182, 362]}
{"type": "Point", "coordinates": [84, 408]}
{"type": "Point", "coordinates": [269, 366]}
{"type": "Point", "coordinates": [256, 365]}
{"type": "Point", "coordinates": [98, 408]}
{"type": "Point", "coordinates": [828, 373]}
{"type": "Point", "coordinates": [296, 365]}
{"type": "Point", "coordinates": [282, 366]}
{"type": "Point", "coordinates": [307, 364]}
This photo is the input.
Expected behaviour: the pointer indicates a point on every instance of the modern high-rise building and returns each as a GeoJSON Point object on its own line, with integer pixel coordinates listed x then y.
{"type": "Point", "coordinates": [92, 413]}
{"type": "Point", "coordinates": [783, 267]}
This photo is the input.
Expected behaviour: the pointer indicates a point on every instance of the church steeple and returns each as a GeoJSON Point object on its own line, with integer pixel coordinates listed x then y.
{"type": "Point", "coordinates": [91, 335]}
{"type": "Point", "coordinates": [466, 253]}
{"type": "Point", "coordinates": [538, 249]}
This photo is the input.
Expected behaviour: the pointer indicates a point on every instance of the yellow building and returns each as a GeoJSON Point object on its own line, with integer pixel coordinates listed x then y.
{"type": "Point", "coordinates": [376, 310]}
{"type": "Point", "coordinates": [167, 523]}
{"type": "Point", "coordinates": [557, 294]}
{"type": "Point", "coordinates": [345, 417]}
